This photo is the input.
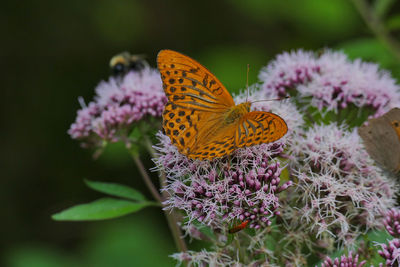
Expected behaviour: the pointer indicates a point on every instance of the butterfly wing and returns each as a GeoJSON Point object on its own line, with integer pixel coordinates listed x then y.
{"type": "Point", "coordinates": [219, 143]}
{"type": "Point", "coordinates": [258, 127]}
{"type": "Point", "coordinates": [382, 139]}
{"type": "Point", "coordinates": [189, 84]}
{"type": "Point", "coordinates": [197, 100]}
{"type": "Point", "coordinates": [253, 128]}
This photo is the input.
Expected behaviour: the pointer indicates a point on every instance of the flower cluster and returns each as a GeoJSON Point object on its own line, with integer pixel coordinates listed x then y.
{"type": "Point", "coordinates": [344, 261]}
{"type": "Point", "coordinates": [119, 102]}
{"type": "Point", "coordinates": [391, 252]}
{"type": "Point", "coordinates": [339, 191]}
{"type": "Point", "coordinates": [392, 222]}
{"type": "Point", "coordinates": [205, 258]}
{"type": "Point", "coordinates": [218, 193]}
{"type": "Point", "coordinates": [331, 80]}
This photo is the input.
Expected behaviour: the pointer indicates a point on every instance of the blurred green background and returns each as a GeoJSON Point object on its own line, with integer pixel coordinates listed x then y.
{"type": "Point", "coordinates": [54, 51]}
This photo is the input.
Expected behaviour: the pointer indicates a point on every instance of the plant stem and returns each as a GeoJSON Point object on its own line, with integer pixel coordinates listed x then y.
{"type": "Point", "coordinates": [239, 248]}
{"type": "Point", "coordinates": [377, 27]}
{"type": "Point", "coordinates": [171, 216]}
{"type": "Point", "coordinates": [146, 178]}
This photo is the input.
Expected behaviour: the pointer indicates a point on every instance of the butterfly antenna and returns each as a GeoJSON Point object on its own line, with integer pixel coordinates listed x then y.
{"type": "Point", "coordinates": [275, 99]}
{"type": "Point", "coordinates": [247, 82]}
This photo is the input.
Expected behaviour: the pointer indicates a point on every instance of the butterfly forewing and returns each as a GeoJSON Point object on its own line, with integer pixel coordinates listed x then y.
{"type": "Point", "coordinates": [189, 84]}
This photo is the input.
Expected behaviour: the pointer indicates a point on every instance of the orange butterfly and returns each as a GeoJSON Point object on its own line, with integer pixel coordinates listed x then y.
{"type": "Point", "coordinates": [201, 117]}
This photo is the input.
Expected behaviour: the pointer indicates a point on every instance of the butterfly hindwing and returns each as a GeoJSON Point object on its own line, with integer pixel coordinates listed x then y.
{"type": "Point", "coordinates": [180, 124]}
{"type": "Point", "coordinates": [254, 128]}
{"type": "Point", "coordinates": [258, 127]}
{"type": "Point", "coordinates": [219, 143]}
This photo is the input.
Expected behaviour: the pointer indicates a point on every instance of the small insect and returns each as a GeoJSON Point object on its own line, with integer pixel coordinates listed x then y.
{"type": "Point", "coordinates": [381, 138]}
{"type": "Point", "coordinates": [238, 227]}
{"type": "Point", "coordinates": [124, 62]}
{"type": "Point", "coordinates": [201, 118]}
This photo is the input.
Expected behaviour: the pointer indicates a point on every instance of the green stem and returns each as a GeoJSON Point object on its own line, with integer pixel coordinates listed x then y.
{"type": "Point", "coordinates": [146, 178]}
{"type": "Point", "coordinates": [377, 27]}
{"type": "Point", "coordinates": [239, 248]}
{"type": "Point", "coordinates": [171, 216]}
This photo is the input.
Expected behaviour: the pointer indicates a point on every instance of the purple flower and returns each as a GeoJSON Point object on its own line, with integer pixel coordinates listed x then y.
{"type": "Point", "coordinates": [339, 191]}
{"type": "Point", "coordinates": [331, 80]}
{"type": "Point", "coordinates": [391, 252]}
{"type": "Point", "coordinates": [219, 192]}
{"type": "Point", "coordinates": [244, 187]}
{"type": "Point", "coordinates": [392, 222]}
{"type": "Point", "coordinates": [118, 104]}
{"type": "Point", "coordinates": [288, 70]}
{"type": "Point", "coordinates": [344, 261]}
{"type": "Point", "coordinates": [205, 258]}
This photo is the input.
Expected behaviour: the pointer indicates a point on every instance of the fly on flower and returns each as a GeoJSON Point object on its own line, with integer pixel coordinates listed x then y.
{"type": "Point", "coordinates": [201, 118]}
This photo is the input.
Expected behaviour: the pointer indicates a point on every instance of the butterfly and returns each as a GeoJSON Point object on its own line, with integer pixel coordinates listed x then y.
{"type": "Point", "coordinates": [381, 138]}
{"type": "Point", "coordinates": [201, 118]}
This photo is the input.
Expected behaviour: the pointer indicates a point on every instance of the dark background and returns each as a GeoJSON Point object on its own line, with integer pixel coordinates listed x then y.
{"type": "Point", "coordinates": [54, 51]}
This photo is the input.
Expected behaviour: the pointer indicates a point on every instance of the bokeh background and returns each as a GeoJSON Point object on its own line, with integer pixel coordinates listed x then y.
{"type": "Point", "coordinates": [54, 51]}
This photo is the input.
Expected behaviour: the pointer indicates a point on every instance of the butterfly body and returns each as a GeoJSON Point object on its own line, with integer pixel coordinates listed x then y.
{"type": "Point", "coordinates": [236, 112]}
{"type": "Point", "coordinates": [201, 117]}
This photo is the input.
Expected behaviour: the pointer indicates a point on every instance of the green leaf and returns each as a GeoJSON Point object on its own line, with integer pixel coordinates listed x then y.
{"type": "Point", "coordinates": [101, 209]}
{"type": "Point", "coordinates": [117, 190]}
